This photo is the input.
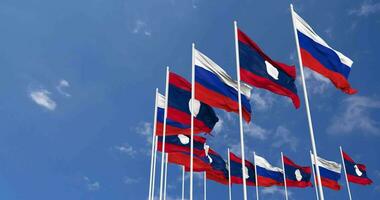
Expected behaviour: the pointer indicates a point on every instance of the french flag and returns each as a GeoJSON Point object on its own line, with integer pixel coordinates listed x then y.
{"type": "Point", "coordinates": [330, 172]}
{"type": "Point", "coordinates": [296, 176]}
{"type": "Point", "coordinates": [236, 171]}
{"type": "Point", "coordinates": [317, 55]}
{"type": "Point", "coordinates": [267, 175]}
{"type": "Point", "coordinates": [356, 173]}
{"type": "Point", "coordinates": [181, 143]}
{"type": "Point", "coordinates": [259, 70]}
{"type": "Point", "coordinates": [216, 88]}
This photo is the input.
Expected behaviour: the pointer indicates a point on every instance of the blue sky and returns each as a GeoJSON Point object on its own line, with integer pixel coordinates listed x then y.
{"type": "Point", "coordinates": [77, 88]}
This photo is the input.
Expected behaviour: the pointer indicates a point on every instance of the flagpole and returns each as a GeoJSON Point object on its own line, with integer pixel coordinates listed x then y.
{"type": "Point", "coordinates": [154, 167]}
{"type": "Point", "coordinates": [345, 173]}
{"type": "Point", "coordinates": [192, 120]}
{"type": "Point", "coordinates": [183, 182]}
{"type": "Point", "coordinates": [315, 179]}
{"type": "Point", "coordinates": [153, 145]}
{"type": "Point", "coordinates": [164, 131]}
{"type": "Point", "coordinates": [283, 168]}
{"type": "Point", "coordinates": [205, 186]}
{"type": "Point", "coordinates": [166, 174]}
{"type": "Point", "coordinates": [229, 175]}
{"type": "Point", "coordinates": [314, 148]}
{"type": "Point", "coordinates": [240, 110]}
{"type": "Point", "coordinates": [256, 178]}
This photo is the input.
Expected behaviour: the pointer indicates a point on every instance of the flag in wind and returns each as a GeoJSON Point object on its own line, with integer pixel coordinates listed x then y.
{"type": "Point", "coordinates": [317, 55]}
{"type": "Point", "coordinates": [296, 176]}
{"type": "Point", "coordinates": [356, 173]}
{"type": "Point", "coordinates": [218, 171]}
{"type": "Point", "coordinates": [267, 175]}
{"type": "Point", "coordinates": [181, 143]}
{"type": "Point", "coordinates": [259, 70]}
{"type": "Point", "coordinates": [216, 88]}
{"type": "Point", "coordinates": [236, 171]}
{"type": "Point", "coordinates": [330, 172]}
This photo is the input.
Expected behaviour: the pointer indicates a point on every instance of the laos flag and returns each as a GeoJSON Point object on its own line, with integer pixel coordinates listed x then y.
{"type": "Point", "coordinates": [317, 55]}
{"type": "Point", "coordinates": [236, 171]}
{"type": "Point", "coordinates": [216, 88]}
{"type": "Point", "coordinates": [330, 172]}
{"type": "Point", "coordinates": [356, 173]}
{"type": "Point", "coordinates": [267, 175]}
{"type": "Point", "coordinates": [296, 176]}
{"type": "Point", "coordinates": [181, 143]}
{"type": "Point", "coordinates": [259, 70]}
{"type": "Point", "coordinates": [200, 163]}
{"type": "Point", "coordinates": [218, 171]}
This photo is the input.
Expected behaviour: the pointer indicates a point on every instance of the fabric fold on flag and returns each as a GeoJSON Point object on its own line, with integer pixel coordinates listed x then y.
{"type": "Point", "coordinates": [330, 172]}
{"type": "Point", "coordinates": [259, 70]}
{"type": "Point", "coordinates": [267, 175]}
{"type": "Point", "coordinates": [317, 55]}
{"type": "Point", "coordinates": [296, 175]}
{"type": "Point", "coordinates": [236, 171]}
{"type": "Point", "coordinates": [216, 88]}
{"type": "Point", "coordinates": [356, 173]}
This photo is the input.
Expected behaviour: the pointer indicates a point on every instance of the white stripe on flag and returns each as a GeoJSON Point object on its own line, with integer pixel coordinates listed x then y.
{"type": "Point", "coordinates": [330, 165]}
{"type": "Point", "coordinates": [161, 101]}
{"type": "Point", "coordinates": [262, 162]}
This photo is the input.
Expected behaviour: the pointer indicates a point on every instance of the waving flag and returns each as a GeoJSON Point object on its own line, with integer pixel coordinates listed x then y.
{"type": "Point", "coordinates": [356, 173]}
{"type": "Point", "coordinates": [216, 88]}
{"type": "Point", "coordinates": [267, 175]}
{"type": "Point", "coordinates": [259, 70]}
{"type": "Point", "coordinates": [218, 171]}
{"type": "Point", "coordinates": [181, 143]}
{"type": "Point", "coordinates": [296, 176]}
{"type": "Point", "coordinates": [200, 163]}
{"type": "Point", "coordinates": [330, 172]}
{"type": "Point", "coordinates": [236, 171]}
{"type": "Point", "coordinates": [179, 109]}
{"type": "Point", "coordinates": [317, 55]}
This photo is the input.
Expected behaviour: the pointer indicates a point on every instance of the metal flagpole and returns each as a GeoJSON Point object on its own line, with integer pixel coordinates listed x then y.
{"type": "Point", "coordinates": [192, 121]}
{"type": "Point", "coordinates": [256, 178]}
{"type": "Point", "coordinates": [183, 182]}
{"type": "Point", "coordinates": [315, 179]}
{"type": "Point", "coordinates": [164, 131]}
{"type": "Point", "coordinates": [205, 186]}
{"type": "Point", "coordinates": [154, 167]}
{"type": "Point", "coordinates": [345, 173]}
{"type": "Point", "coordinates": [153, 145]}
{"type": "Point", "coordinates": [314, 148]}
{"type": "Point", "coordinates": [166, 174]}
{"type": "Point", "coordinates": [229, 175]}
{"type": "Point", "coordinates": [283, 168]}
{"type": "Point", "coordinates": [240, 111]}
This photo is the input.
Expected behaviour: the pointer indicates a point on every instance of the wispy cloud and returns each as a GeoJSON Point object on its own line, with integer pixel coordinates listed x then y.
{"type": "Point", "coordinates": [256, 131]}
{"type": "Point", "coordinates": [365, 9]}
{"type": "Point", "coordinates": [283, 137]}
{"type": "Point", "coordinates": [130, 180]}
{"type": "Point", "coordinates": [275, 190]}
{"type": "Point", "coordinates": [140, 27]}
{"type": "Point", "coordinates": [126, 149]}
{"type": "Point", "coordinates": [42, 98]}
{"type": "Point", "coordinates": [356, 115]}
{"type": "Point", "coordinates": [219, 126]}
{"type": "Point", "coordinates": [61, 86]}
{"type": "Point", "coordinates": [145, 129]}
{"type": "Point", "coordinates": [262, 100]}
{"type": "Point", "coordinates": [316, 83]}
{"type": "Point", "coordinates": [91, 185]}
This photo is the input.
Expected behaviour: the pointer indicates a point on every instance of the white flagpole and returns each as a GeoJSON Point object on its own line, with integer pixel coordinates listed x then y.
{"type": "Point", "coordinates": [153, 145]}
{"type": "Point", "coordinates": [345, 173]}
{"type": "Point", "coordinates": [205, 186]}
{"type": "Point", "coordinates": [166, 174]}
{"type": "Point", "coordinates": [240, 111]}
{"type": "Point", "coordinates": [183, 182]}
{"type": "Point", "coordinates": [256, 178]}
{"type": "Point", "coordinates": [283, 168]}
{"type": "Point", "coordinates": [164, 132]}
{"type": "Point", "coordinates": [315, 179]}
{"type": "Point", "coordinates": [154, 167]}
{"type": "Point", "coordinates": [192, 121]}
{"type": "Point", "coordinates": [229, 175]}
{"type": "Point", "coordinates": [314, 148]}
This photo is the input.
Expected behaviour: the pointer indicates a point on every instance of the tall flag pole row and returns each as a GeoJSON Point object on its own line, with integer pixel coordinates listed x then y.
{"type": "Point", "coordinates": [187, 109]}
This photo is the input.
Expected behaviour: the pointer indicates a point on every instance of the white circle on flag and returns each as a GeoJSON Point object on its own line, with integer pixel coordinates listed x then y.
{"type": "Point", "coordinates": [357, 171]}
{"type": "Point", "coordinates": [183, 139]}
{"type": "Point", "coordinates": [197, 107]}
{"type": "Point", "coordinates": [246, 174]}
{"type": "Point", "coordinates": [298, 175]}
{"type": "Point", "coordinates": [272, 71]}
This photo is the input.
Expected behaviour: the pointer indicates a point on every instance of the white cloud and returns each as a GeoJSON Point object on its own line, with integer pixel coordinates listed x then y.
{"type": "Point", "coordinates": [141, 27]}
{"type": "Point", "coordinates": [130, 180]}
{"type": "Point", "coordinates": [366, 8]}
{"type": "Point", "coordinates": [316, 83]}
{"type": "Point", "coordinates": [145, 129]}
{"type": "Point", "coordinates": [91, 185]}
{"type": "Point", "coordinates": [218, 126]}
{"type": "Point", "coordinates": [126, 149]}
{"type": "Point", "coordinates": [262, 100]}
{"type": "Point", "coordinates": [275, 190]}
{"type": "Point", "coordinates": [356, 115]}
{"type": "Point", "coordinates": [283, 137]}
{"type": "Point", "coordinates": [41, 97]}
{"type": "Point", "coordinates": [60, 87]}
{"type": "Point", "coordinates": [255, 131]}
